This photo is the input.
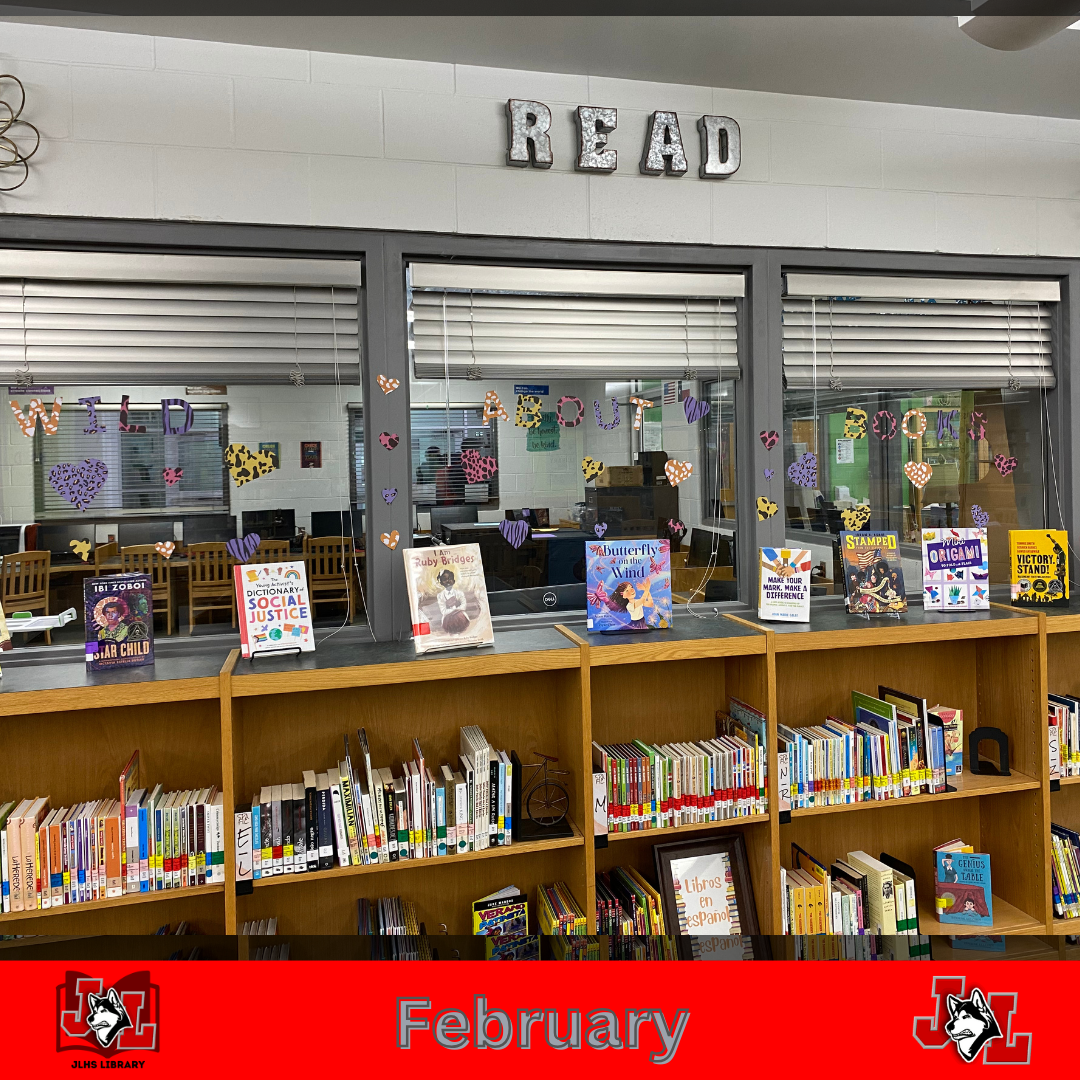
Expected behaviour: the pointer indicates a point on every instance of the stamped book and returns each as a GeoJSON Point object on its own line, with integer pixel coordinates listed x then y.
{"type": "Point", "coordinates": [628, 584]}
{"type": "Point", "coordinates": [272, 602]}
{"type": "Point", "coordinates": [448, 597]}
{"type": "Point", "coordinates": [873, 576]}
{"type": "Point", "coordinates": [119, 621]}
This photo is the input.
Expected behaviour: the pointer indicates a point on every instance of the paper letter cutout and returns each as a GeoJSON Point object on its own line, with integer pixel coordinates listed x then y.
{"type": "Point", "coordinates": [494, 408]}
{"type": "Point", "coordinates": [855, 424]}
{"type": "Point", "coordinates": [640, 405]}
{"type": "Point", "coordinates": [134, 429]}
{"type": "Point", "coordinates": [96, 427]}
{"type": "Point", "coordinates": [573, 401]}
{"type": "Point", "coordinates": [600, 416]}
{"type": "Point", "coordinates": [528, 411]}
{"type": "Point", "coordinates": [948, 423]}
{"type": "Point", "coordinates": [166, 420]}
{"type": "Point", "coordinates": [49, 421]}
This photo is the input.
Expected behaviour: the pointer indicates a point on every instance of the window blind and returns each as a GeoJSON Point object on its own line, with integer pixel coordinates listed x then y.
{"type": "Point", "coordinates": [437, 476]}
{"type": "Point", "coordinates": [242, 323]}
{"type": "Point", "coordinates": [135, 462]}
{"type": "Point", "coordinates": [916, 333]}
{"type": "Point", "coordinates": [513, 322]}
{"type": "Point", "coordinates": [358, 480]}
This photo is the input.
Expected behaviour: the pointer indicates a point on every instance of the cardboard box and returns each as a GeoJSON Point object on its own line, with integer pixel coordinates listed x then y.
{"type": "Point", "coordinates": [621, 476]}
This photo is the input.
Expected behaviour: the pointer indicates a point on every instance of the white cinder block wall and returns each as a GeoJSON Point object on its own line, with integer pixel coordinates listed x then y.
{"type": "Point", "coordinates": [162, 128]}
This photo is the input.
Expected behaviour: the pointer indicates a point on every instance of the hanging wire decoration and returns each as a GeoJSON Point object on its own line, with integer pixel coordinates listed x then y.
{"type": "Point", "coordinates": [690, 374]}
{"type": "Point", "coordinates": [296, 375]}
{"type": "Point", "coordinates": [472, 372]}
{"type": "Point", "coordinates": [1014, 382]}
{"type": "Point", "coordinates": [834, 379]}
{"type": "Point", "coordinates": [16, 136]}
{"type": "Point", "coordinates": [24, 377]}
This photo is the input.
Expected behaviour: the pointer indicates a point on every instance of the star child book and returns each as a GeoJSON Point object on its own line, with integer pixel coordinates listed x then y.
{"type": "Point", "coordinates": [628, 585]}
{"type": "Point", "coordinates": [448, 597]}
{"type": "Point", "coordinates": [119, 613]}
{"type": "Point", "coordinates": [1039, 567]}
{"type": "Point", "coordinates": [873, 576]}
{"type": "Point", "coordinates": [956, 570]}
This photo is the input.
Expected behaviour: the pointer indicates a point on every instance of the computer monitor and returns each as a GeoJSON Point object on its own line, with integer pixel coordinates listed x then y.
{"type": "Point", "coordinates": [703, 542]}
{"type": "Point", "coordinates": [132, 533]}
{"type": "Point", "coordinates": [12, 539]}
{"type": "Point", "coordinates": [57, 538]}
{"type": "Point", "coordinates": [337, 523]}
{"type": "Point", "coordinates": [444, 515]}
{"type": "Point", "coordinates": [209, 528]}
{"type": "Point", "coordinates": [270, 524]}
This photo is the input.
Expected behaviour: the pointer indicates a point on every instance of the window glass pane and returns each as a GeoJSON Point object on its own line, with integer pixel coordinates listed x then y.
{"type": "Point", "coordinates": [540, 470]}
{"type": "Point", "coordinates": [858, 466]}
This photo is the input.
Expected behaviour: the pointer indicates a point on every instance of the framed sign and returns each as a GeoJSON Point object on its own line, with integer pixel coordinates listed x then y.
{"type": "Point", "coordinates": [274, 450]}
{"type": "Point", "coordinates": [311, 455]}
{"type": "Point", "coordinates": [708, 899]}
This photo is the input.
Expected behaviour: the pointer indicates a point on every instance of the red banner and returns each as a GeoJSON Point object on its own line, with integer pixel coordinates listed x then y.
{"type": "Point", "coordinates": [281, 1019]}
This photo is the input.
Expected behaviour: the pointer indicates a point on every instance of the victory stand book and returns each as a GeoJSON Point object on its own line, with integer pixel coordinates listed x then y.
{"type": "Point", "coordinates": [1039, 567]}
{"type": "Point", "coordinates": [119, 613]}
{"type": "Point", "coordinates": [275, 614]}
{"type": "Point", "coordinates": [873, 576]}
{"type": "Point", "coordinates": [628, 585]}
{"type": "Point", "coordinates": [448, 597]}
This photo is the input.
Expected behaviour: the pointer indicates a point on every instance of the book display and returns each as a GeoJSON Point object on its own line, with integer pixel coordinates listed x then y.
{"type": "Point", "coordinates": [825, 748]}
{"type": "Point", "coordinates": [119, 621]}
{"type": "Point", "coordinates": [272, 602]}
{"type": "Point", "coordinates": [447, 597]}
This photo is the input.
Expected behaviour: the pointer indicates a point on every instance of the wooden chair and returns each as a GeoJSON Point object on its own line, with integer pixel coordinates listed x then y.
{"type": "Point", "coordinates": [270, 551]}
{"type": "Point", "coordinates": [145, 559]}
{"type": "Point", "coordinates": [26, 583]}
{"type": "Point", "coordinates": [329, 561]}
{"type": "Point", "coordinates": [101, 553]}
{"type": "Point", "coordinates": [210, 583]}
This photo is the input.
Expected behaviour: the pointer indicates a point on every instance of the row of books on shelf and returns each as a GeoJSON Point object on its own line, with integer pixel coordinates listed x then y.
{"type": "Point", "coordinates": [861, 895]}
{"type": "Point", "coordinates": [1065, 871]}
{"type": "Point", "coordinates": [664, 786]}
{"type": "Point", "coordinates": [893, 747]}
{"type": "Point", "coordinates": [627, 904]}
{"type": "Point", "coordinates": [142, 841]}
{"type": "Point", "coordinates": [357, 814]}
{"type": "Point", "coordinates": [1063, 717]}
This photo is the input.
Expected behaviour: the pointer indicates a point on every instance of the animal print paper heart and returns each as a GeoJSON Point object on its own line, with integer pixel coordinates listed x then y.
{"type": "Point", "coordinates": [515, 533]}
{"type": "Point", "coordinates": [390, 539]}
{"type": "Point", "coordinates": [591, 468]}
{"type": "Point", "coordinates": [695, 409]}
{"type": "Point", "coordinates": [855, 519]}
{"type": "Point", "coordinates": [477, 469]}
{"type": "Point", "coordinates": [165, 548]}
{"type": "Point", "coordinates": [1005, 465]}
{"type": "Point", "coordinates": [769, 438]}
{"type": "Point", "coordinates": [765, 508]}
{"type": "Point", "coordinates": [81, 548]}
{"type": "Point", "coordinates": [979, 516]}
{"type": "Point", "coordinates": [389, 495]}
{"type": "Point", "coordinates": [388, 440]}
{"type": "Point", "coordinates": [245, 465]}
{"type": "Point", "coordinates": [600, 528]}
{"type": "Point", "coordinates": [388, 386]}
{"type": "Point", "coordinates": [172, 476]}
{"type": "Point", "coordinates": [769, 473]}
{"type": "Point", "coordinates": [803, 471]}
{"type": "Point", "coordinates": [242, 550]}
{"type": "Point", "coordinates": [678, 471]}
{"type": "Point", "coordinates": [79, 483]}
{"type": "Point", "coordinates": [919, 473]}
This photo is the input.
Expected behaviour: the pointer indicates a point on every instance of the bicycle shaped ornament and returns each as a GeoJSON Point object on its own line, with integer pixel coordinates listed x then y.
{"type": "Point", "coordinates": [543, 798]}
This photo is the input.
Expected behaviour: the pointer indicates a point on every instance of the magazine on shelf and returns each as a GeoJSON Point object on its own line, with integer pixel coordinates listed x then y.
{"type": "Point", "coordinates": [628, 584]}
{"type": "Point", "coordinates": [448, 597]}
{"type": "Point", "coordinates": [272, 602]}
{"type": "Point", "coordinates": [119, 612]}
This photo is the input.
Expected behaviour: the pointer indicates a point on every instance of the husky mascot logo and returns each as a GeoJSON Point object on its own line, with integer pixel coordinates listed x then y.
{"type": "Point", "coordinates": [108, 1020]}
{"type": "Point", "coordinates": [979, 1025]}
{"type": "Point", "coordinates": [105, 1013]}
{"type": "Point", "coordinates": [971, 1024]}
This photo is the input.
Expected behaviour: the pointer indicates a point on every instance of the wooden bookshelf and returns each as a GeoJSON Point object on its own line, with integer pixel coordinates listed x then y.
{"type": "Point", "coordinates": [209, 719]}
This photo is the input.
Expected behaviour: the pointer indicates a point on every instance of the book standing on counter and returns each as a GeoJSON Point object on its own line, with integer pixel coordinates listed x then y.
{"type": "Point", "coordinates": [784, 585]}
{"type": "Point", "coordinates": [273, 608]}
{"type": "Point", "coordinates": [1039, 567]}
{"type": "Point", "coordinates": [628, 584]}
{"type": "Point", "coordinates": [956, 570]}
{"type": "Point", "coordinates": [119, 617]}
{"type": "Point", "coordinates": [873, 574]}
{"type": "Point", "coordinates": [448, 597]}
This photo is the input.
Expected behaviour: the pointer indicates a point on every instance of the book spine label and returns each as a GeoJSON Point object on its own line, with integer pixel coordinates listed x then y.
{"type": "Point", "coordinates": [256, 843]}
{"type": "Point", "coordinates": [311, 810]}
{"type": "Point", "coordinates": [343, 850]}
{"type": "Point", "coordinates": [326, 829]}
{"type": "Point", "coordinates": [144, 850]}
{"type": "Point", "coordinates": [440, 818]}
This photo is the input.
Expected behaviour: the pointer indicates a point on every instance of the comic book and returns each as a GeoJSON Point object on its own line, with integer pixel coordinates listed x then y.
{"type": "Point", "coordinates": [628, 584]}
{"type": "Point", "coordinates": [873, 576]}
{"type": "Point", "coordinates": [1039, 566]}
{"type": "Point", "coordinates": [784, 575]}
{"type": "Point", "coordinates": [956, 570]}
{"type": "Point", "coordinates": [119, 621]}
{"type": "Point", "coordinates": [448, 597]}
